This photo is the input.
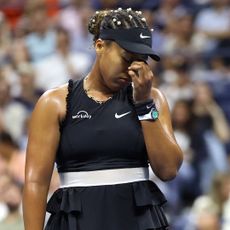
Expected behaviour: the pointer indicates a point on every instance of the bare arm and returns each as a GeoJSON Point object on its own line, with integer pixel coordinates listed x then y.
{"type": "Point", "coordinates": [164, 154]}
{"type": "Point", "coordinates": [218, 35]}
{"type": "Point", "coordinates": [220, 124]}
{"type": "Point", "coordinates": [42, 145]}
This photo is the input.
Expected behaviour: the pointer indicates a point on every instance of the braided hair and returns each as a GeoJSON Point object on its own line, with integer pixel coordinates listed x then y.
{"type": "Point", "coordinates": [115, 19]}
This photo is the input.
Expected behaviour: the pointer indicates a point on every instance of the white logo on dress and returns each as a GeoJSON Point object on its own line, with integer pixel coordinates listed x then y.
{"type": "Point", "coordinates": [121, 115]}
{"type": "Point", "coordinates": [144, 36]}
{"type": "Point", "coordinates": [82, 114]}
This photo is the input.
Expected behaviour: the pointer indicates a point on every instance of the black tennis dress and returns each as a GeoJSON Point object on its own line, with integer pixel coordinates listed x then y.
{"type": "Point", "coordinates": [93, 138]}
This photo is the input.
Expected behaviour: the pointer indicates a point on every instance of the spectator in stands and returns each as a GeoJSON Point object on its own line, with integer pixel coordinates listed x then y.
{"type": "Point", "coordinates": [5, 39]}
{"type": "Point", "coordinates": [212, 203]}
{"type": "Point", "coordinates": [213, 128]}
{"type": "Point", "coordinates": [74, 18]}
{"type": "Point", "coordinates": [41, 42]}
{"type": "Point", "coordinates": [13, 113]}
{"type": "Point", "coordinates": [177, 83]}
{"type": "Point", "coordinates": [29, 93]}
{"type": "Point", "coordinates": [183, 121]}
{"type": "Point", "coordinates": [214, 24]}
{"type": "Point", "coordinates": [15, 160]}
{"type": "Point", "coordinates": [12, 196]}
{"type": "Point", "coordinates": [67, 64]}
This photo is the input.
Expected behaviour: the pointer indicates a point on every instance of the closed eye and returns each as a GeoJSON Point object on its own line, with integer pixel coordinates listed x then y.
{"type": "Point", "coordinates": [127, 60]}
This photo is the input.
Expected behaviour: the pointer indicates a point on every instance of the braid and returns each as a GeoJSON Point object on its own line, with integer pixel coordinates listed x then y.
{"type": "Point", "coordinates": [115, 19]}
{"type": "Point", "coordinates": [95, 23]}
{"type": "Point", "coordinates": [138, 19]}
{"type": "Point", "coordinates": [123, 17]}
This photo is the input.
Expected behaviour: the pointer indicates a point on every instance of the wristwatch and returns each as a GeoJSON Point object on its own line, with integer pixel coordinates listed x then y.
{"type": "Point", "coordinates": [152, 115]}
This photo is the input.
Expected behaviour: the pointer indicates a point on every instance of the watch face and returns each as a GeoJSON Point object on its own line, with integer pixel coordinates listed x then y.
{"type": "Point", "coordinates": [154, 114]}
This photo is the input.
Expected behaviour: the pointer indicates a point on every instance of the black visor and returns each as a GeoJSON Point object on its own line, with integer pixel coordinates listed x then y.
{"type": "Point", "coordinates": [134, 40]}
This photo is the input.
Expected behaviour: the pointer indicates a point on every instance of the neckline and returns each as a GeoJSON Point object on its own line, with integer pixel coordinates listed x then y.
{"type": "Point", "coordinates": [98, 102]}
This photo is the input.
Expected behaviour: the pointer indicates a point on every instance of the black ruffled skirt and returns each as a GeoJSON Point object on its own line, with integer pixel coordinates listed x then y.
{"type": "Point", "coordinates": [131, 206]}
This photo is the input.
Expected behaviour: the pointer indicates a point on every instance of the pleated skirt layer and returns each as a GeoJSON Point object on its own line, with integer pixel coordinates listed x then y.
{"type": "Point", "coordinates": [131, 206]}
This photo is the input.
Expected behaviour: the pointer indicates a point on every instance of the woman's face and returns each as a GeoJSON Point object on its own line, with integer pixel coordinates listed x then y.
{"type": "Point", "coordinates": [181, 113]}
{"type": "Point", "coordinates": [113, 65]}
{"type": "Point", "coordinates": [203, 94]}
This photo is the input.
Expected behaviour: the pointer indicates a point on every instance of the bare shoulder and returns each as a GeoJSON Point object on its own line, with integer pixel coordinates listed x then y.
{"type": "Point", "coordinates": [55, 94]}
{"type": "Point", "coordinates": [53, 101]}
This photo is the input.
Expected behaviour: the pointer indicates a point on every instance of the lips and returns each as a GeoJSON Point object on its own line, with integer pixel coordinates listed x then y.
{"type": "Point", "coordinates": [124, 78]}
{"type": "Point", "coordinates": [123, 81]}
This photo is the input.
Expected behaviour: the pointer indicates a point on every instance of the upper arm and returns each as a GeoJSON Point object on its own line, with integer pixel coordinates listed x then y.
{"type": "Point", "coordinates": [43, 137]}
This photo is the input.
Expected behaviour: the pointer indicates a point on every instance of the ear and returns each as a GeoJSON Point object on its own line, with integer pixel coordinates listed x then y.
{"type": "Point", "coordinates": [99, 46]}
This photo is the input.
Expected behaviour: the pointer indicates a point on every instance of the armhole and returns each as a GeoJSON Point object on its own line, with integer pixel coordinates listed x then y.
{"type": "Point", "coordinates": [68, 104]}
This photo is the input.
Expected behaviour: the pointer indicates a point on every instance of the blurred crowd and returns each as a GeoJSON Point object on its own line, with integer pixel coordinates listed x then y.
{"type": "Point", "coordinates": [44, 43]}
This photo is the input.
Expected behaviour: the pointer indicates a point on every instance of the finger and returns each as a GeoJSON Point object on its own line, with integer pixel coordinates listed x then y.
{"type": "Point", "coordinates": [140, 72]}
{"type": "Point", "coordinates": [139, 62]}
{"type": "Point", "coordinates": [135, 67]}
{"type": "Point", "coordinates": [134, 77]}
{"type": "Point", "coordinates": [140, 68]}
{"type": "Point", "coordinates": [132, 74]}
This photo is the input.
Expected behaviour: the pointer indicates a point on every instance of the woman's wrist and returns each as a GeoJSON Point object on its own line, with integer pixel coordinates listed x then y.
{"type": "Point", "coordinates": [143, 107]}
{"type": "Point", "coordinates": [146, 110]}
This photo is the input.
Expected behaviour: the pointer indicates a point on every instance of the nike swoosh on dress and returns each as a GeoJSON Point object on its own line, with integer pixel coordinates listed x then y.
{"type": "Point", "coordinates": [121, 115]}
